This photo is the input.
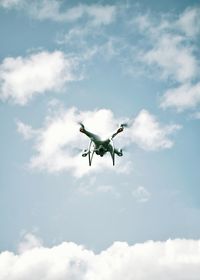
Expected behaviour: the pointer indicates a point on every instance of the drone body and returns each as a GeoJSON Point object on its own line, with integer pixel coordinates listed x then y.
{"type": "Point", "coordinates": [100, 147]}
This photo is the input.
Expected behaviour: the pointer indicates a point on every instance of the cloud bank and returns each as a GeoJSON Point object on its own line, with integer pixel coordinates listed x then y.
{"type": "Point", "coordinates": [171, 259]}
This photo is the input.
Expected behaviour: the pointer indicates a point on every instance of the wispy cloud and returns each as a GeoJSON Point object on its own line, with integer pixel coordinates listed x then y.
{"type": "Point", "coordinates": [174, 58]}
{"type": "Point", "coordinates": [150, 260]}
{"type": "Point", "coordinates": [29, 242]}
{"type": "Point", "coordinates": [26, 130]}
{"type": "Point", "coordinates": [54, 10]}
{"type": "Point", "coordinates": [9, 4]}
{"type": "Point", "coordinates": [141, 194]}
{"type": "Point", "coordinates": [92, 187]}
{"type": "Point", "coordinates": [189, 22]}
{"type": "Point", "coordinates": [173, 53]}
{"type": "Point", "coordinates": [183, 97]}
{"type": "Point", "coordinates": [169, 50]}
{"type": "Point", "coordinates": [22, 78]}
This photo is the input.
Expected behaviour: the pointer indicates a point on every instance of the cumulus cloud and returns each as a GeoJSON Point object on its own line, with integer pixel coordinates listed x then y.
{"type": "Point", "coordinates": [21, 78]}
{"type": "Point", "coordinates": [149, 134]}
{"type": "Point", "coordinates": [183, 97]}
{"type": "Point", "coordinates": [57, 141]}
{"type": "Point", "coordinates": [171, 259]}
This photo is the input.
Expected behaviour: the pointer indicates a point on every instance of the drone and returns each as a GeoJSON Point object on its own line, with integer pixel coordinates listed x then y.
{"type": "Point", "coordinates": [101, 147]}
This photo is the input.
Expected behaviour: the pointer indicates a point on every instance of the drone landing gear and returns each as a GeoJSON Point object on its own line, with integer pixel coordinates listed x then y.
{"type": "Point", "coordinates": [113, 158]}
{"type": "Point", "coordinates": [90, 152]}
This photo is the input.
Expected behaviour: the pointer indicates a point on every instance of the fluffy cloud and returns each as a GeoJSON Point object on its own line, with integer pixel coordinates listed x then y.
{"type": "Point", "coordinates": [149, 134]}
{"type": "Point", "coordinates": [183, 97]}
{"type": "Point", "coordinates": [21, 78]}
{"type": "Point", "coordinates": [171, 259]}
{"type": "Point", "coordinates": [57, 141]}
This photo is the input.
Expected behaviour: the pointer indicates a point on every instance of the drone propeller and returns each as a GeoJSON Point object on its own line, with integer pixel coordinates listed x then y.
{"type": "Point", "coordinates": [124, 125]}
{"type": "Point", "coordinates": [81, 124]}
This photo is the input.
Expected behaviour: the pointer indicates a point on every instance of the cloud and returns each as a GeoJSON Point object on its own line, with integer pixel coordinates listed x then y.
{"type": "Point", "coordinates": [29, 242]}
{"type": "Point", "coordinates": [174, 58]}
{"type": "Point", "coordinates": [189, 21]}
{"type": "Point", "coordinates": [172, 49]}
{"type": "Point", "coordinates": [196, 116]}
{"type": "Point", "coordinates": [148, 134]}
{"type": "Point", "coordinates": [22, 78]}
{"type": "Point", "coordinates": [169, 48]}
{"type": "Point", "coordinates": [141, 194]}
{"type": "Point", "coordinates": [171, 259]}
{"type": "Point", "coordinates": [8, 4]}
{"type": "Point", "coordinates": [58, 141]}
{"type": "Point", "coordinates": [183, 97]}
{"type": "Point", "coordinates": [25, 130]}
{"type": "Point", "coordinates": [96, 14]}
{"type": "Point", "coordinates": [92, 188]}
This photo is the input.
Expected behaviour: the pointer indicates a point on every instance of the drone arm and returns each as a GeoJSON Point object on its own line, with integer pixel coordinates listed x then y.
{"type": "Point", "coordinates": [117, 132]}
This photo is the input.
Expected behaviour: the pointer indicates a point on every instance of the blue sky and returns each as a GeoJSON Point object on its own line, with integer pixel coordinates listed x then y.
{"type": "Point", "coordinates": [101, 63]}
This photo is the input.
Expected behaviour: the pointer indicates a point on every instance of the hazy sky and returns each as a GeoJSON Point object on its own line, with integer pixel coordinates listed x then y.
{"type": "Point", "coordinates": [102, 63]}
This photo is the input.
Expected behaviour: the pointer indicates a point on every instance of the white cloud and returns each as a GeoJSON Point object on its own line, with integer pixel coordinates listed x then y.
{"type": "Point", "coordinates": [184, 97]}
{"type": "Point", "coordinates": [91, 187]}
{"type": "Point", "coordinates": [97, 14]}
{"type": "Point", "coordinates": [57, 141]}
{"type": "Point", "coordinates": [171, 259]}
{"type": "Point", "coordinates": [29, 242]}
{"type": "Point", "coordinates": [21, 78]}
{"type": "Point", "coordinates": [141, 194]}
{"type": "Point", "coordinates": [170, 47]}
{"type": "Point", "coordinates": [189, 21]}
{"type": "Point", "coordinates": [148, 134]}
{"type": "Point", "coordinates": [25, 130]}
{"type": "Point", "coordinates": [8, 4]}
{"type": "Point", "coordinates": [173, 57]}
